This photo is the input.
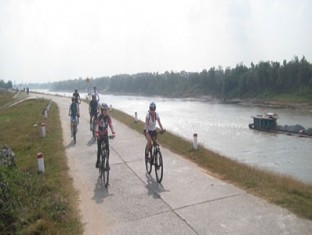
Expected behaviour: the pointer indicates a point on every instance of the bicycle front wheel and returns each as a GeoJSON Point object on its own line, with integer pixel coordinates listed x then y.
{"type": "Point", "coordinates": [106, 171]}
{"type": "Point", "coordinates": [94, 128]}
{"type": "Point", "coordinates": [74, 133]}
{"type": "Point", "coordinates": [148, 163]}
{"type": "Point", "coordinates": [159, 169]}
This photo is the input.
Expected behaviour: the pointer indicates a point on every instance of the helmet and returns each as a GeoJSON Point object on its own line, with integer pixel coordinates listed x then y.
{"type": "Point", "coordinates": [104, 106]}
{"type": "Point", "coordinates": [152, 106]}
{"type": "Point", "coordinates": [73, 98]}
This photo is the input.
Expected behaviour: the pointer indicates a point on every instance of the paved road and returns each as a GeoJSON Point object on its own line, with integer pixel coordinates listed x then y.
{"type": "Point", "coordinates": [189, 201]}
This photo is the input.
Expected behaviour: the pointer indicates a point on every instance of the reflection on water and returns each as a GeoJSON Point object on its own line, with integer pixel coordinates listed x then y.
{"type": "Point", "coordinates": [224, 129]}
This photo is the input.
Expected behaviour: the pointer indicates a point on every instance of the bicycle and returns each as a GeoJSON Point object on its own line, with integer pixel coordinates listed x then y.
{"type": "Point", "coordinates": [78, 102]}
{"type": "Point", "coordinates": [155, 159]}
{"type": "Point", "coordinates": [93, 126]}
{"type": "Point", "coordinates": [104, 162]}
{"type": "Point", "coordinates": [74, 123]}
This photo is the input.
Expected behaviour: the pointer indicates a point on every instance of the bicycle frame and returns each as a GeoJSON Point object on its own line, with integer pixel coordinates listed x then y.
{"type": "Point", "coordinates": [93, 126]}
{"type": "Point", "coordinates": [155, 147]}
{"type": "Point", "coordinates": [74, 123]}
{"type": "Point", "coordinates": [104, 164]}
{"type": "Point", "coordinates": [155, 160]}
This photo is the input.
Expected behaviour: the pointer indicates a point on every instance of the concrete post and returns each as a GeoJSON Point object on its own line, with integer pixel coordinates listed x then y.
{"type": "Point", "coordinates": [45, 113]}
{"type": "Point", "coordinates": [135, 117]}
{"type": "Point", "coordinates": [43, 129]}
{"type": "Point", "coordinates": [40, 163]}
{"type": "Point", "coordinates": [195, 141]}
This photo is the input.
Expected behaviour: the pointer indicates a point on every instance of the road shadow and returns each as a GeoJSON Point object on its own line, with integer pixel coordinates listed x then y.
{"type": "Point", "coordinates": [70, 145]}
{"type": "Point", "coordinates": [100, 191]}
{"type": "Point", "coordinates": [92, 141]}
{"type": "Point", "coordinates": [153, 187]}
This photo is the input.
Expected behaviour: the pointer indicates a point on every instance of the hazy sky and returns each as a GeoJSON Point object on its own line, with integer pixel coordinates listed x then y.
{"type": "Point", "coordinates": [52, 40]}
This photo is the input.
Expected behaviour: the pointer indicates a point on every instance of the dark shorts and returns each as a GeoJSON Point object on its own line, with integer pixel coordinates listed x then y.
{"type": "Point", "coordinates": [95, 114]}
{"type": "Point", "coordinates": [152, 133]}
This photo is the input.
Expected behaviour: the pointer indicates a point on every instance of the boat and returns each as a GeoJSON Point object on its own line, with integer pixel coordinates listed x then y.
{"type": "Point", "coordinates": [268, 122]}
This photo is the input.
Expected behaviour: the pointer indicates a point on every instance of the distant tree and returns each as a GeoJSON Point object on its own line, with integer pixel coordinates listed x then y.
{"type": "Point", "coordinates": [6, 85]}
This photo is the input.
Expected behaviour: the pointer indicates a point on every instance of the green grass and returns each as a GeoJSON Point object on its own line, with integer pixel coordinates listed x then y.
{"type": "Point", "coordinates": [277, 189]}
{"type": "Point", "coordinates": [36, 204]}
{"type": "Point", "coordinates": [303, 98]}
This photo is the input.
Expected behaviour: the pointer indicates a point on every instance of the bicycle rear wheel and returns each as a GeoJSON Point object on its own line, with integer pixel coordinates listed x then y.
{"type": "Point", "coordinates": [159, 169]}
{"type": "Point", "coordinates": [148, 163]}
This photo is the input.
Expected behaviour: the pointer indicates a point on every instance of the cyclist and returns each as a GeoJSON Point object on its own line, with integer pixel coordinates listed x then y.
{"type": "Point", "coordinates": [150, 126]}
{"type": "Point", "coordinates": [103, 122]}
{"type": "Point", "coordinates": [93, 109]}
{"type": "Point", "coordinates": [73, 113]}
{"type": "Point", "coordinates": [77, 96]}
{"type": "Point", "coordinates": [95, 92]}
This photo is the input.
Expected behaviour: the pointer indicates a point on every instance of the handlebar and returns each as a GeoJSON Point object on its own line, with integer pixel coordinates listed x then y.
{"type": "Point", "coordinates": [157, 131]}
{"type": "Point", "coordinates": [109, 136]}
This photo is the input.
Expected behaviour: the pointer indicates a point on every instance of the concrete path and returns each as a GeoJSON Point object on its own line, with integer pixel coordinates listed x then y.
{"type": "Point", "coordinates": [189, 201]}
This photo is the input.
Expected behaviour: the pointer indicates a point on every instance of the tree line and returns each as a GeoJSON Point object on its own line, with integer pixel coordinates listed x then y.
{"type": "Point", "coordinates": [6, 85]}
{"type": "Point", "coordinates": [264, 79]}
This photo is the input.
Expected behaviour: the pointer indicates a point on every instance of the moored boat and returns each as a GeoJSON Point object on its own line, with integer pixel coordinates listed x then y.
{"type": "Point", "coordinates": [268, 122]}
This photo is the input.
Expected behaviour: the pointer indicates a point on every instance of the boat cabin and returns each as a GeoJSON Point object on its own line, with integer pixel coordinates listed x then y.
{"type": "Point", "coordinates": [266, 121]}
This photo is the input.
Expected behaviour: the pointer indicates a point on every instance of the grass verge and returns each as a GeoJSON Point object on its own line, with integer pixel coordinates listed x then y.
{"type": "Point", "coordinates": [281, 190]}
{"type": "Point", "coordinates": [34, 203]}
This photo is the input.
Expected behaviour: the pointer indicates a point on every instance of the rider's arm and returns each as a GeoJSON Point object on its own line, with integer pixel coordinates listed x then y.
{"type": "Point", "coordinates": [159, 123]}
{"type": "Point", "coordinates": [146, 123]}
{"type": "Point", "coordinates": [110, 123]}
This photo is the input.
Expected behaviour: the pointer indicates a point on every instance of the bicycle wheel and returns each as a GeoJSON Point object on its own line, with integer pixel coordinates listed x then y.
{"type": "Point", "coordinates": [159, 169]}
{"type": "Point", "coordinates": [74, 133]}
{"type": "Point", "coordinates": [94, 128]}
{"type": "Point", "coordinates": [101, 171]}
{"type": "Point", "coordinates": [106, 171]}
{"type": "Point", "coordinates": [148, 163]}
{"type": "Point", "coordinates": [102, 168]}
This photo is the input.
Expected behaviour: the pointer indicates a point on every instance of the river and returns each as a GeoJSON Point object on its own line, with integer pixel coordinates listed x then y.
{"type": "Point", "coordinates": [223, 128]}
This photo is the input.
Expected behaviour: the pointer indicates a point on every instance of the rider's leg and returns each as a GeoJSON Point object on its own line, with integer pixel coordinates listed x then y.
{"type": "Point", "coordinates": [148, 144]}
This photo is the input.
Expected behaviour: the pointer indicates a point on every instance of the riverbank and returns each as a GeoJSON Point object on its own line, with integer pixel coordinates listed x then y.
{"type": "Point", "coordinates": [277, 104]}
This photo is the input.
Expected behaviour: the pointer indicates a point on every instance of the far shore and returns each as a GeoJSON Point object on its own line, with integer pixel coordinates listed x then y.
{"type": "Point", "coordinates": [248, 101]}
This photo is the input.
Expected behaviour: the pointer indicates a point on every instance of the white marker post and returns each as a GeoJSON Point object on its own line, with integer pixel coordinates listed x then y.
{"type": "Point", "coordinates": [40, 163]}
{"type": "Point", "coordinates": [45, 113]}
{"type": "Point", "coordinates": [43, 130]}
{"type": "Point", "coordinates": [135, 117]}
{"type": "Point", "coordinates": [195, 141]}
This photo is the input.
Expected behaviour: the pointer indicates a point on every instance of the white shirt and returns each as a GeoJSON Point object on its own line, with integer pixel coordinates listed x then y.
{"type": "Point", "coordinates": [151, 123]}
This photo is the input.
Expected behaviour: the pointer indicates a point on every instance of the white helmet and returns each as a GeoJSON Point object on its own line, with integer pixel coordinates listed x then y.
{"type": "Point", "coordinates": [104, 106]}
